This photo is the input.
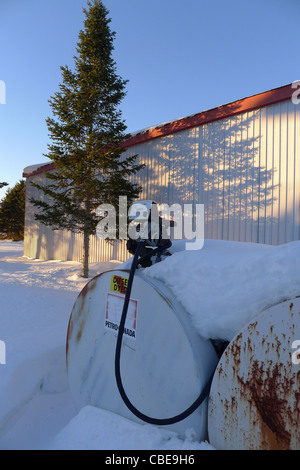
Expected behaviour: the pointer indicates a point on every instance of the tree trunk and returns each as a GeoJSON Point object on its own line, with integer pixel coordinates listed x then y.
{"type": "Point", "coordinates": [86, 241]}
{"type": "Point", "coordinates": [85, 259]}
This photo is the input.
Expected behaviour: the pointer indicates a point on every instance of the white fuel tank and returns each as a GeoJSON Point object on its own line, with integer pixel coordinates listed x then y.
{"type": "Point", "coordinates": [255, 394]}
{"type": "Point", "coordinates": [164, 362]}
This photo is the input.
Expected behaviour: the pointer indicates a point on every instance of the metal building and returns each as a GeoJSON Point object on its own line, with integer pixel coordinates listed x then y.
{"type": "Point", "coordinates": [241, 160]}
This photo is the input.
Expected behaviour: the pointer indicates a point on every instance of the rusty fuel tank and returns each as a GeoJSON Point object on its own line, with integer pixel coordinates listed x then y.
{"type": "Point", "coordinates": [255, 394]}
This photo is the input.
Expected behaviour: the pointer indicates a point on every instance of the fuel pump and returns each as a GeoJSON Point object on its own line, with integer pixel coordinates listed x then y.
{"type": "Point", "coordinates": [148, 248]}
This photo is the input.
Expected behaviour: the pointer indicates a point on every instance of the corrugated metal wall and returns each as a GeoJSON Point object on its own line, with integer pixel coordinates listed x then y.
{"type": "Point", "coordinates": [251, 176]}
{"type": "Point", "coordinates": [244, 169]}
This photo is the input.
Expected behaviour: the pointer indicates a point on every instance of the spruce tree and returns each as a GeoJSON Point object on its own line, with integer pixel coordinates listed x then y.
{"type": "Point", "coordinates": [12, 213]}
{"type": "Point", "coordinates": [86, 131]}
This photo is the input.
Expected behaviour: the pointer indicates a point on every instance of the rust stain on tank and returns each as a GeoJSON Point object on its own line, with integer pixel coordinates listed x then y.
{"type": "Point", "coordinates": [80, 308]}
{"type": "Point", "coordinates": [266, 390]}
{"type": "Point", "coordinates": [271, 407]}
{"type": "Point", "coordinates": [69, 333]}
{"type": "Point", "coordinates": [79, 334]}
{"type": "Point", "coordinates": [80, 313]}
{"type": "Point", "coordinates": [87, 289]}
{"type": "Point", "coordinates": [236, 350]}
{"type": "Point", "coordinates": [81, 324]}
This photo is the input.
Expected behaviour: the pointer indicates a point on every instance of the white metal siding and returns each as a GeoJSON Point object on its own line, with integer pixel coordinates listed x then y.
{"type": "Point", "coordinates": [245, 169]}
{"type": "Point", "coordinates": [250, 175]}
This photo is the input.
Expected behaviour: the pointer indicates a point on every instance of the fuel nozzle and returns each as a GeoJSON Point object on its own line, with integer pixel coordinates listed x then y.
{"type": "Point", "coordinates": [149, 227]}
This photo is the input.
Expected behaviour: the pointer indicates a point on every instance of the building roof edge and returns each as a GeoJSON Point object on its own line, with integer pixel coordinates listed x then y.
{"type": "Point", "coordinates": [243, 105]}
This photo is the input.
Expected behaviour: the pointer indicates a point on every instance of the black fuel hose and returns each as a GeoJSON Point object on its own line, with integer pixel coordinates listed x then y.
{"type": "Point", "coordinates": [148, 419]}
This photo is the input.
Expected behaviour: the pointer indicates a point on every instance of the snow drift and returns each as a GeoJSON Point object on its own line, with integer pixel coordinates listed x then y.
{"type": "Point", "coordinates": [226, 284]}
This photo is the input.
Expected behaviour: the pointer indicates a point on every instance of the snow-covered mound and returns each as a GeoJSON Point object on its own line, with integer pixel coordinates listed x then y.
{"type": "Point", "coordinates": [106, 430]}
{"type": "Point", "coordinates": [226, 284]}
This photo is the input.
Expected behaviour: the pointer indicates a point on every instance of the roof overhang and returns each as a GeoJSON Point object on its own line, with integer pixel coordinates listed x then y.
{"type": "Point", "coordinates": [247, 104]}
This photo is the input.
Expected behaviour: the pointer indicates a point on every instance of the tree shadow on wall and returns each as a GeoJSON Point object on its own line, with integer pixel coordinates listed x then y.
{"type": "Point", "coordinates": [238, 190]}
{"type": "Point", "coordinates": [220, 165]}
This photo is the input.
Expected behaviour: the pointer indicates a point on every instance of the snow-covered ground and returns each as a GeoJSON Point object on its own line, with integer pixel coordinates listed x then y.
{"type": "Point", "coordinates": [223, 286]}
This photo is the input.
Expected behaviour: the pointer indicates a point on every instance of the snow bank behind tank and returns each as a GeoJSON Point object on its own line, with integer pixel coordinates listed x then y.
{"type": "Point", "coordinates": [226, 284]}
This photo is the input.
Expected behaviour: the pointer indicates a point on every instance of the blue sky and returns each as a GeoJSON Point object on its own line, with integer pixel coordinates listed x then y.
{"type": "Point", "coordinates": [180, 57]}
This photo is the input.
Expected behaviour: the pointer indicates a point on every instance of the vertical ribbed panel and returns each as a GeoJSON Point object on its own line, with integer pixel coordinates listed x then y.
{"type": "Point", "coordinates": [245, 169]}
{"type": "Point", "coordinates": [250, 175]}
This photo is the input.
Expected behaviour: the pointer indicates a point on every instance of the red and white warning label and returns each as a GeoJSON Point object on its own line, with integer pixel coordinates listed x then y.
{"type": "Point", "coordinates": [114, 307]}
